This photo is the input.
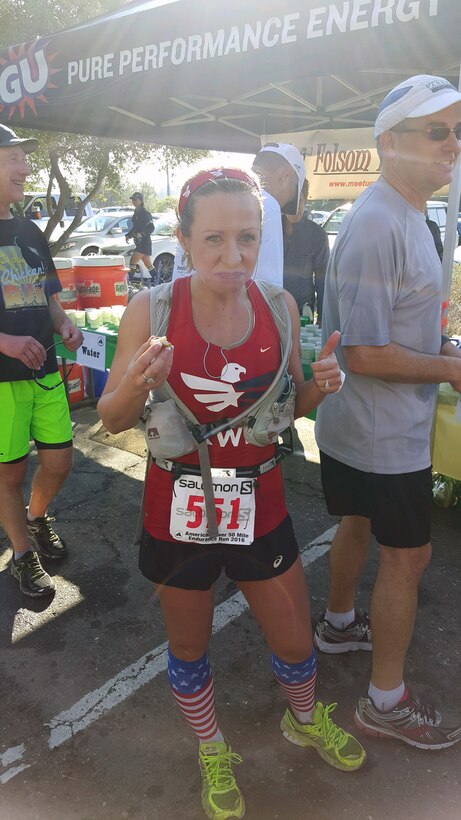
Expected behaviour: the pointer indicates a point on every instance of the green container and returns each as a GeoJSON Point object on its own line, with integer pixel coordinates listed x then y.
{"type": "Point", "coordinates": [307, 371]}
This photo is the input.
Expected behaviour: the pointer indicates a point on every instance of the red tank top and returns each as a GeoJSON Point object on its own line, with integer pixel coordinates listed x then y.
{"type": "Point", "coordinates": [216, 384]}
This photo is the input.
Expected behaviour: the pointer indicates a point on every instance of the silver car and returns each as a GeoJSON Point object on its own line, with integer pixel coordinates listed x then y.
{"type": "Point", "coordinates": [98, 234]}
{"type": "Point", "coordinates": [105, 234]}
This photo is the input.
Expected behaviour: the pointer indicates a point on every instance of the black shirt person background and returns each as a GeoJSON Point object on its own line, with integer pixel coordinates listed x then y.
{"type": "Point", "coordinates": [141, 230]}
{"type": "Point", "coordinates": [306, 254]}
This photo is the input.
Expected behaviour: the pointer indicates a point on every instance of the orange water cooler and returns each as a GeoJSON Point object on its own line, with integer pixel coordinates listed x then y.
{"type": "Point", "coordinates": [68, 297]}
{"type": "Point", "coordinates": [75, 381]}
{"type": "Point", "coordinates": [101, 280]}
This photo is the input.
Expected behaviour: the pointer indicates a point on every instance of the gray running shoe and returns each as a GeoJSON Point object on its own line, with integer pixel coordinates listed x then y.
{"type": "Point", "coordinates": [355, 636]}
{"type": "Point", "coordinates": [33, 580]}
{"type": "Point", "coordinates": [411, 721]}
{"type": "Point", "coordinates": [48, 542]}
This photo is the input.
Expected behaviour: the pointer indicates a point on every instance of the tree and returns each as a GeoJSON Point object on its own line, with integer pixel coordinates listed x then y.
{"type": "Point", "coordinates": [69, 161]}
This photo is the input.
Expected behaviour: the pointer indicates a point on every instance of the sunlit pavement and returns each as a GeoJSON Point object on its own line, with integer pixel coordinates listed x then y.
{"type": "Point", "coordinates": [88, 730]}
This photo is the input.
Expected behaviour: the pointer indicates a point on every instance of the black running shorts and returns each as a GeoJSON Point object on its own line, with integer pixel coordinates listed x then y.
{"type": "Point", "coordinates": [198, 566]}
{"type": "Point", "coordinates": [144, 246]}
{"type": "Point", "coordinates": [398, 505]}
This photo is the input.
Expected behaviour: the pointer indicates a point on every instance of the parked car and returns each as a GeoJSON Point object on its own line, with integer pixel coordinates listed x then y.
{"type": "Point", "coordinates": [164, 244]}
{"type": "Point", "coordinates": [35, 208]}
{"type": "Point", "coordinates": [105, 234]}
{"type": "Point", "coordinates": [436, 210]}
{"type": "Point", "coordinates": [318, 216]}
{"type": "Point", "coordinates": [110, 209]}
{"type": "Point", "coordinates": [334, 220]}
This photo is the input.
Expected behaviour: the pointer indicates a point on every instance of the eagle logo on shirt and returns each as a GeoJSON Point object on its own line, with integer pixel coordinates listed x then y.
{"type": "Point", "coordinates": [218, 394]}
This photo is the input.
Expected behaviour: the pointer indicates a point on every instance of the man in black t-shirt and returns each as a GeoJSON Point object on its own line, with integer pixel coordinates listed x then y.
{"type": "Point", "coordinates": [305, 258]}
{"type": "Point", "coordinates": [32, 395]}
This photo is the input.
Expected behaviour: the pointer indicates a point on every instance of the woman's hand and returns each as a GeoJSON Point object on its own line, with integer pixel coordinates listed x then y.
{"type": "Point", "coordinates": [151, 364]}
{"type": "Point", "coordinates": [326, 372]}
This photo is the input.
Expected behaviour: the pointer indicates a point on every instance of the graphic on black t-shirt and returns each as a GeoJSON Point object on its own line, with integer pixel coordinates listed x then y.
{"type": "Point", "coordinates": [22, 276]}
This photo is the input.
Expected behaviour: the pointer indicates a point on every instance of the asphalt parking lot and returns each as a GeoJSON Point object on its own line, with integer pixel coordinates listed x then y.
{"type": "Point", "coordinates": [88, 730]}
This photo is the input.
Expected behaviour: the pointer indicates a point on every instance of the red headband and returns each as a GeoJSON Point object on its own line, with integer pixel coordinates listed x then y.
{"type": "Point", "coordinates": [209, 176]}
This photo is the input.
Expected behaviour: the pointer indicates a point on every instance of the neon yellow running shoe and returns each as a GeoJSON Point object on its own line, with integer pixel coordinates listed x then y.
{"type": "Point", "coordinates": [221, 797]}
{"type": "Point", "coordinates": [337, 747]}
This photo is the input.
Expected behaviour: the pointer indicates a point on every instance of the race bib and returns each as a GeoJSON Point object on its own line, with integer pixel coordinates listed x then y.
{"type": "Point", "coordinates": [235, 508]}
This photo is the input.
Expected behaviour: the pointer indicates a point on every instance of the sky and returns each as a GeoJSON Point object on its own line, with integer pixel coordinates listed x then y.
{"type": "Point", "coordinates": [149, 173]}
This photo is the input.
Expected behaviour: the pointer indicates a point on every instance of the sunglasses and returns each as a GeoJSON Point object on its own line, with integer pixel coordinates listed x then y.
{"type": "Point", "coordinates": [436, 133]}
{"type": "Point", "coordinates": [41, 373]}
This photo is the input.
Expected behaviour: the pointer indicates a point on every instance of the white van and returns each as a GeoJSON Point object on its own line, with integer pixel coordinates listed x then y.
{"type": "Point", "coordinates": [34, 207]}
{"type": "Point", "coordinates": [437, 211]}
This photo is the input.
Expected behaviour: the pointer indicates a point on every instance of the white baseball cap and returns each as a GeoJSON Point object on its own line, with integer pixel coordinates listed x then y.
{"type": "Point", "coordinates": [416, 97]}
{"type": "Point", "coordinates": [294, 158]}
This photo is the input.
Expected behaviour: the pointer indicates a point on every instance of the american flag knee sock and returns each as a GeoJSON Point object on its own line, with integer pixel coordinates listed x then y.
{"type": "Point", "coordinates": [192, 686]}
{"type": "Point", "coordinates": [298, 683]}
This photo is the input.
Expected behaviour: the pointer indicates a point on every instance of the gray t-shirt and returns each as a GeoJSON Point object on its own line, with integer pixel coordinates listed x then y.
{"type": "Point", "coordinates": [383, 284]}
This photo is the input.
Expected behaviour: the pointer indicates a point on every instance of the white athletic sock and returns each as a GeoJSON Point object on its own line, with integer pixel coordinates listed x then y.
{"type": "Point", "coordinates": [18, 554]}
{"type": "Point", "coordinates": [340, 620]}
{"type": "Point", "coordinates": [386, 699]}
{"type": "Point", "coordinates": [218, 737]}
{"type": "Point", "coordinates": [29, 515]}
{"type": "Point", "coordinates": [303, 717]}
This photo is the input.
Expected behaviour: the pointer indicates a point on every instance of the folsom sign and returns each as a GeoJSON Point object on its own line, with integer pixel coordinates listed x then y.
{"type": "Point", "coordinates": [339, 164]}
{"type": "Point", "coordinates": [334, 170]}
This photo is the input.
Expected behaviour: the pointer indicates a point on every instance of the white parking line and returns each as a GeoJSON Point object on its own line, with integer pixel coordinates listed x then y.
{"type": "Point", "coordinates": [96, 704]}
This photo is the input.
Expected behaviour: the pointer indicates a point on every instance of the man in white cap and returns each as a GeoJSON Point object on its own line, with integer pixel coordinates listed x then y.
{"type": "Point", "coordinates": [383, 292]}
{"type": "Point", "coordinates": [280, 167]}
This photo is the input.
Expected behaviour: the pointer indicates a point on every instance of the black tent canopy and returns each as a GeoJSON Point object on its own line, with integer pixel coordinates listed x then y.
{"type": "Point", "coordinates": [220, 75]}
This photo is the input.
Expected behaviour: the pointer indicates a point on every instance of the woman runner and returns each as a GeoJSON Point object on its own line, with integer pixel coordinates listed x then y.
{"type": "Point", "coordinates": [226, 344]}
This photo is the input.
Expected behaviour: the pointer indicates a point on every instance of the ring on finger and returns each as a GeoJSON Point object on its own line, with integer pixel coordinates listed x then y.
{"type": "Point", "coordinates": [148, 379]}
{"type": "Point", "coordinates": [326, 386]}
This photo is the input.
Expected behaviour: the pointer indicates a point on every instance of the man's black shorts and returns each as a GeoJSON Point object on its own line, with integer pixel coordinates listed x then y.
{"type": "Point", "coordinates": [398, 505]}
{"type": "Point", "coordinates": [198, 566]}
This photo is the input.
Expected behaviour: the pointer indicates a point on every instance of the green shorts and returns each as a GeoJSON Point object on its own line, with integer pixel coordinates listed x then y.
{"type": "Point", "coordinates": [28, 412]}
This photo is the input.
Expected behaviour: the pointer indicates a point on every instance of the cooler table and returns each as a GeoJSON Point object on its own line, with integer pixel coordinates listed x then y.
{"type": "Point", "coordinates": [446, 433]}
{"type": "Point", "coordinates": [96, 353]}
{"type": "Point", "coordinates": [310, 340]}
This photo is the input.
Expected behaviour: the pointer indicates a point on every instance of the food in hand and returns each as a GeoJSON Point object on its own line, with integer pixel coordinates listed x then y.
{"type": "Point", "coordinates": [163, 339]}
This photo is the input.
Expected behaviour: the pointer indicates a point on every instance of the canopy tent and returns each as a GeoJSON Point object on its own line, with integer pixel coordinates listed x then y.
{"type": "Point", "coordinates": [219, 75]}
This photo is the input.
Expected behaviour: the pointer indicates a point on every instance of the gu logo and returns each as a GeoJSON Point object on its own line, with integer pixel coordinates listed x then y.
{"type": "Point", "coordinates": [23, 78]}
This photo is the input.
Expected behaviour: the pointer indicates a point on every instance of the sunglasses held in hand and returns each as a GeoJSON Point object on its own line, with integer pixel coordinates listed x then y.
{"type": "Point", "coordinates": [41, 373]}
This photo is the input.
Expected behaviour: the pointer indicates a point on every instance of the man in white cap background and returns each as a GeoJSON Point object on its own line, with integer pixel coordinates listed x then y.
{"type": "Point", "coordinates": [383, 292]}
{"type": "Point", "coordinates": [33, 400]}
{"type": "Point", "coordinates": [281, 170]}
